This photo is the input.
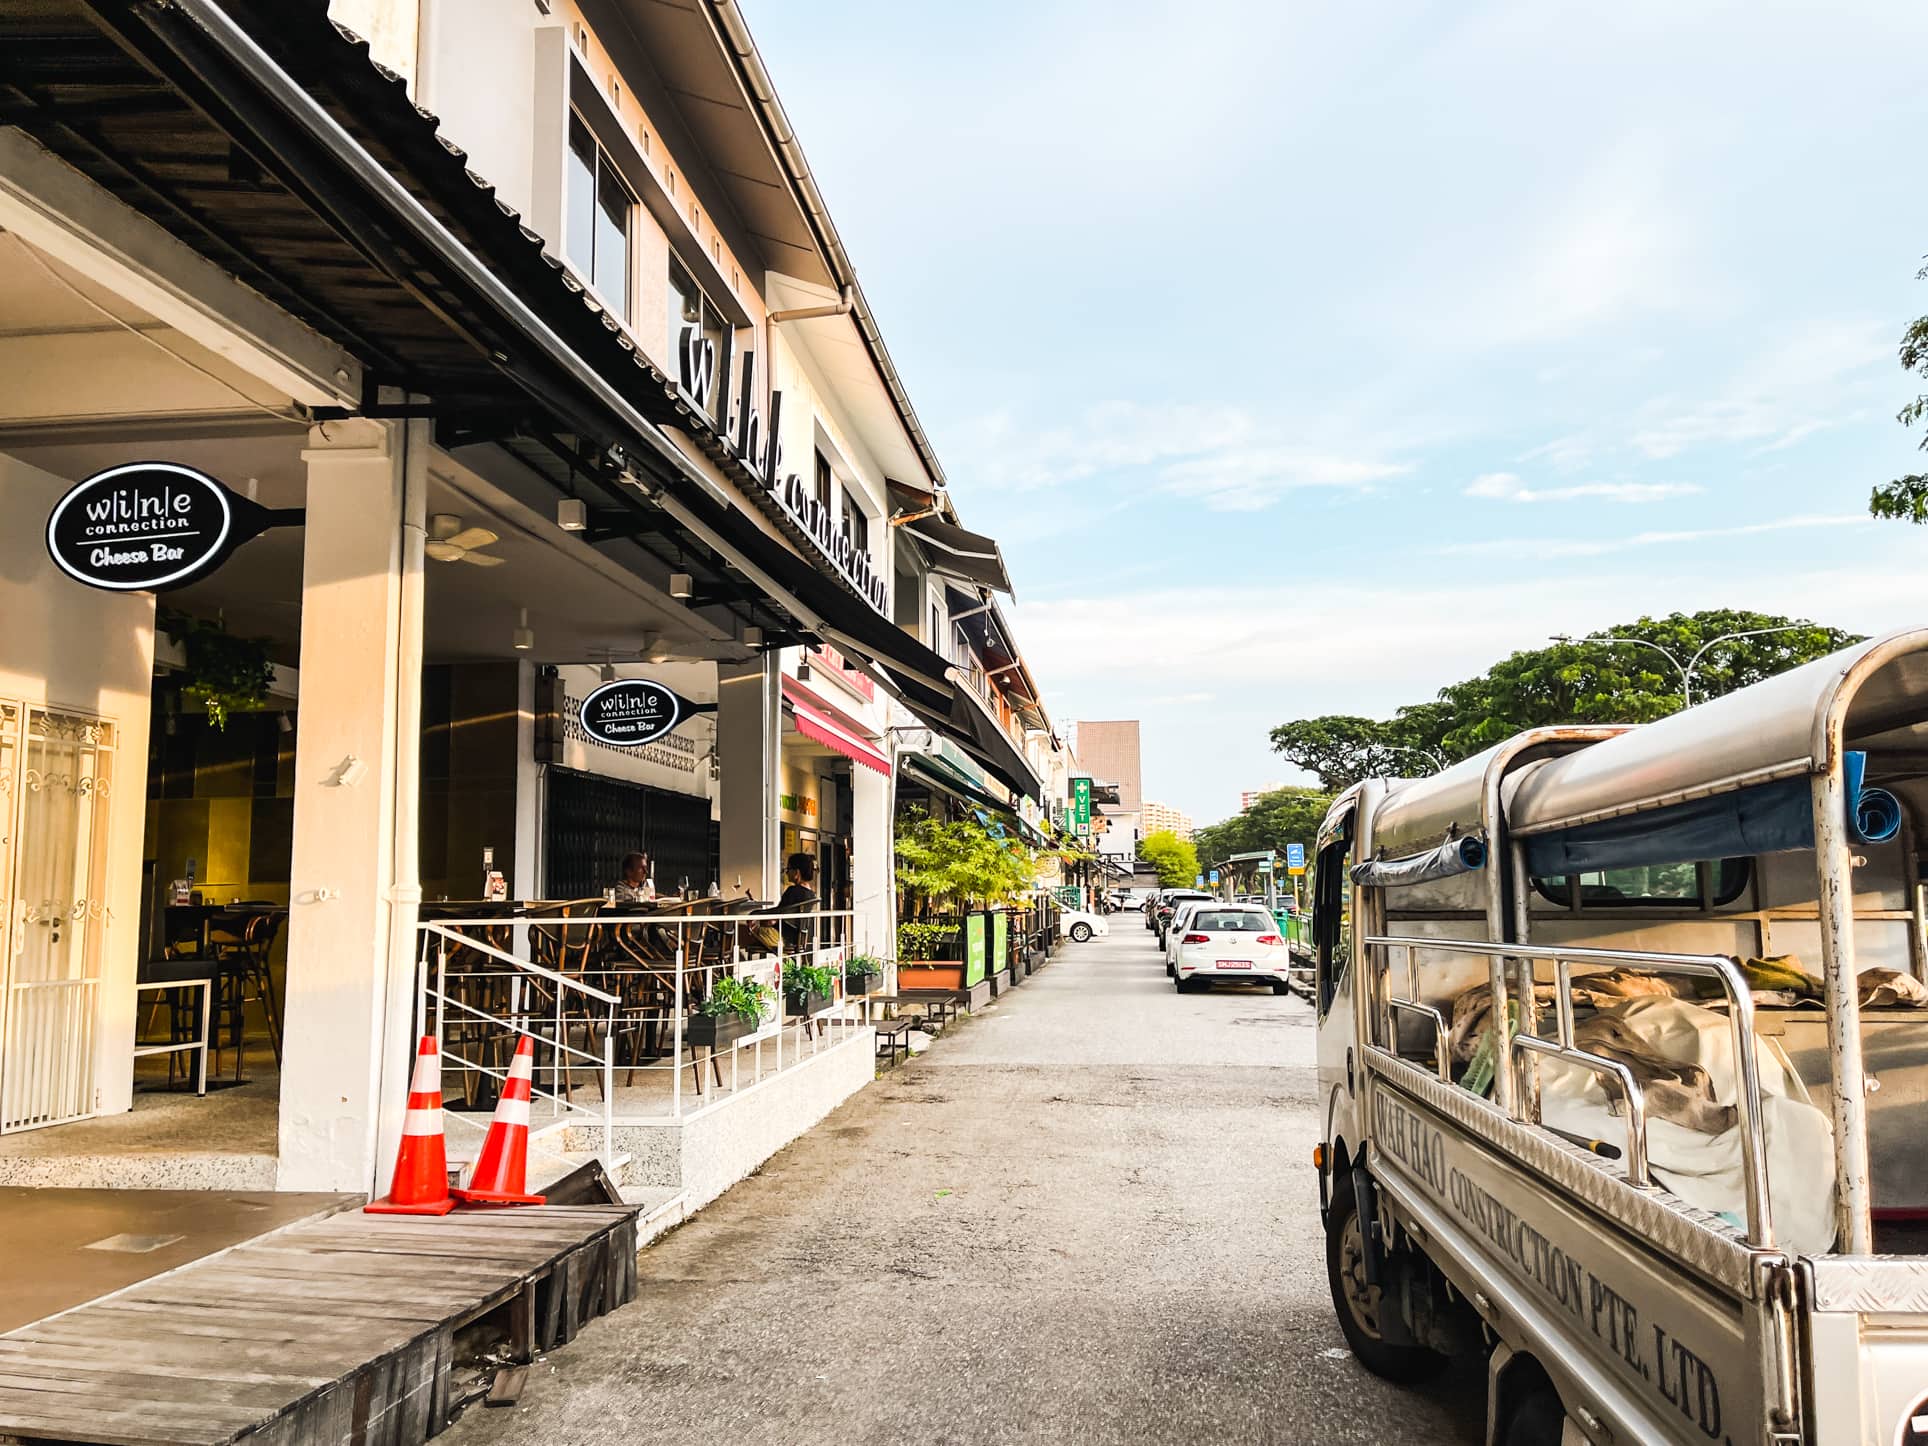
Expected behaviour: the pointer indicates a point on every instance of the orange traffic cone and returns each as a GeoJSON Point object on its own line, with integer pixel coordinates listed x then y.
{"type": "Point", "coordinates": [421, 1184]}
{"type": "Point", "coordinates": [502, 1170]}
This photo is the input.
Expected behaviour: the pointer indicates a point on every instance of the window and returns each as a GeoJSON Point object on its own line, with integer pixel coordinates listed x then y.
{"type": "Point", "coordinates": [1232, 921]}
{"type": "Point", "coordinates": [701, 339]}
{"type": "Point", "coordinates": [1681, 886]}
{"type": "Point", "coordinates": [937, 629]}
{"type": "Point", "coordinates": [856, 524]}
{"type": "Point", "coordinates": [825, 479]}
{"type": "Point", "coordinates": [596, 231]}
{"type": "Point", "coordinates": [1331, 921]}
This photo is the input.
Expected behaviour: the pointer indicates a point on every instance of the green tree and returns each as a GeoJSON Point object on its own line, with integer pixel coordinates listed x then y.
{"type": "Point", "coordinates": [1275, 819]}
{"type": "Point", "coordinates": [1907, 497]}
{"type": "Point", "coordinates": [1597, 679]}
{"type": "Point", "coordinates": [958, 864]}
{"type": "Point", "coordinates": [1174, 858]}
{"type": "Point", "coordinates": [1338, 748]}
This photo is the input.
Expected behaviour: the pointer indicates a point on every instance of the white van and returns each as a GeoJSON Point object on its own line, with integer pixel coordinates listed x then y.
{"type": "Point", "coordinates": [1681, 1195]}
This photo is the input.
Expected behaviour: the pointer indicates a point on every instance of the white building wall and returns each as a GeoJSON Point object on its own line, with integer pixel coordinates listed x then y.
{"type": "Point", "coordinates": [68, 646]}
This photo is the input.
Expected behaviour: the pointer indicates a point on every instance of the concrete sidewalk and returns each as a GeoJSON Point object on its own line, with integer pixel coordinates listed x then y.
{"type": "Point", "coordinates": [1087, 1215]}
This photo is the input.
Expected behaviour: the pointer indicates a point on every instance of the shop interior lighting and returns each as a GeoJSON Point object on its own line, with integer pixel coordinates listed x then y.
{"type": "Point", "coordinates": [682, 586]}
{"type": "Point", "coordinates": [524, 637]}
{"type": "Point", "coordinates": [572, 514]}
{"type": "Point", "coordinates": [753, 637]}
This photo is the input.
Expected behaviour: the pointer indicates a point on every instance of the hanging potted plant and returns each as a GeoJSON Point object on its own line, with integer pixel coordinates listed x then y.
{"type": "Point", "coordinates": [735, 1007]}
{"type": "Point", "coordinates": [807, 988]}
{"type": "Point", "coordinates": [225, 674]}
{"type": "Point", "coordinates": [861, 974]}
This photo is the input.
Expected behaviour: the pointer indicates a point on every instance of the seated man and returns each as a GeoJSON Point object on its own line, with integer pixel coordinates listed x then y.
{"type": "Point", "coordinates": [637, 887]}
{"type": "Point", "coordinates": [799, 897]}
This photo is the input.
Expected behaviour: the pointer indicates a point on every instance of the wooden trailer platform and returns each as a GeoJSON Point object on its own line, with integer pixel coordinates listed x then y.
{"type": "Point", "coordinates": [336, 1330]}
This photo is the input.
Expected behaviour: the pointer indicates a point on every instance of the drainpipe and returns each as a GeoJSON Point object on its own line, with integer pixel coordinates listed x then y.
{"type": "Point", "coordinates": [846, 299]}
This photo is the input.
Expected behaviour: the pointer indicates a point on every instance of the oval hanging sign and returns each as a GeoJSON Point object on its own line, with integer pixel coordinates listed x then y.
{"type": "Point", "coordinates": [632, 711]}
{"type": "Point", "coordinates": [151, 526]}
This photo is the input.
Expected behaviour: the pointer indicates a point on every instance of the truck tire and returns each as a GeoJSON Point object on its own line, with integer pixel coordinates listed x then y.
{"type": "Point", "coordinates": [1537, 1419]}
{"type": "Point", "coordinates": [1357, 1304]}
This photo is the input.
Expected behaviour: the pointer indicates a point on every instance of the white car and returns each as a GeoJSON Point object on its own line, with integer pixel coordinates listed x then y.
{"type": "Point", "coordinates": [1081, 925]}
{"type": "Point", "coordinates": [1182, 912]}
{"type": "Point", "coordinates": [1238, 942]}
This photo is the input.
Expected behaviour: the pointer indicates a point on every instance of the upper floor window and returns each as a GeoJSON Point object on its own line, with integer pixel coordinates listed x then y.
{"type": "Point", "coordinates": [856, 523]}
{"type": "Point", "coordinates": [825, 480]}
{"type": "Point", "coordinates": [600, 206]}
{"type": "Point", "coordinates": [701, 340]}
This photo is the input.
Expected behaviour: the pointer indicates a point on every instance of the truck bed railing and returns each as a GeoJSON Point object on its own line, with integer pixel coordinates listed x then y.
{"type": "Point", "coordinates": [1524, 1107]}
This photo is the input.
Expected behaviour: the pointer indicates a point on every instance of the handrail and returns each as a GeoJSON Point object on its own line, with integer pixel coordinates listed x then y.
{"type": "Point", "coordinates": [523, 966]}
{"type": "Point", "coordinates": [1760, 1229]}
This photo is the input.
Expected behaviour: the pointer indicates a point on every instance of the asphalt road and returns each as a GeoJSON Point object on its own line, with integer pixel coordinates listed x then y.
{"type": "Point", "coordinates": [1086, 1215]}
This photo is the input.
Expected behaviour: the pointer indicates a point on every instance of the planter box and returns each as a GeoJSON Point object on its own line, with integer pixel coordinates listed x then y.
{"type": "Point", "coordinates": [856, 985]}
{"type": "Point", "coordinates": [812, 1003]}
{"type": "Point", "coordinates": [931, 974]}
{"type": "Point", "coordinates": [716, 1031]}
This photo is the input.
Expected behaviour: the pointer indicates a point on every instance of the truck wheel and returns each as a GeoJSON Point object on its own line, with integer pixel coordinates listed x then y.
{"type": "Point", "coordinates": [1536, 1417]}
{"type": "Point", "coordinates": [1080, 933]}
{"type": "Point", "coordinates": [1358, 1304]}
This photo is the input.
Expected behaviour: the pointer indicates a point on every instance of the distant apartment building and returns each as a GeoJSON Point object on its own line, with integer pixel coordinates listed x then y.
{"type": "Point", "coordinates": [1253, 795]}
{"type": "Point", "coordinates": [1155, 817]}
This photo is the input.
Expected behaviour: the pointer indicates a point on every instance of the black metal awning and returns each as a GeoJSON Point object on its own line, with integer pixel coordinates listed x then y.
{"type": "Point", "coordinates": [957, 552]}
{"type": "Point", "coordinates": [262, 134]}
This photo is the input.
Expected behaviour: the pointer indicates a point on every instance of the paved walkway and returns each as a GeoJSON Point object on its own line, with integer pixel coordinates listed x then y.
{"type": "Point", "coordinates": [1088, 1215]}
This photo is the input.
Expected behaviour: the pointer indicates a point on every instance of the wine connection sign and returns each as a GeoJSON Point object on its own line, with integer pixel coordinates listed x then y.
{"type": "Point", "coordinates": [633, 711]}
{"type": "Point", "coordinates": [762, 453]}
{"type": "Point", "coordinates": [152, 526]}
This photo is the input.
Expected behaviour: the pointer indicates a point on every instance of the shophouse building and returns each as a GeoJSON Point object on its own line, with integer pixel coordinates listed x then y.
{"type": "Point", "coordinates": [500, 357]}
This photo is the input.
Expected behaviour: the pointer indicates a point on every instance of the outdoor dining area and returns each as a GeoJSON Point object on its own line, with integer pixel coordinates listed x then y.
{"type": "Point", "coordinates": [215, 961]}
{"type": "Point", "coordinates": [620, 998]}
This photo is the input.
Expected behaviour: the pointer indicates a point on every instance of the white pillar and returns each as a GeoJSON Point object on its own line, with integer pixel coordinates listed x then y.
{"type": "Point", "coordinates": [872, 891]}
{"type": "Point", "coordinates": [355, 889]}
{"type": "Point", "coordinates": [749, 732]}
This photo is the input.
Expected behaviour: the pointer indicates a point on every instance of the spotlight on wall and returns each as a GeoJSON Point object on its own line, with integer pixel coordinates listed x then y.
{"type": "Point", "coordinates": [572, 514]}
{"type": "Point", "coordinates": [682, 585]}
{"type": "Point", "coordinates": [524, 637]}
{"type": "Point", "coordinates": [753, 637]}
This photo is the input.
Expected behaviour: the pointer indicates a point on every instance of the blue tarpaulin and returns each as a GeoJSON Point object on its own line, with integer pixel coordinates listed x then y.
{"type": "Point", "coordinates": [1765, 819]}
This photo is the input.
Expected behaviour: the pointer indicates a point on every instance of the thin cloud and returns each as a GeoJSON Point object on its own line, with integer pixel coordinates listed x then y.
{"type": "Point", "coordinates": [1545, 547]}
{"type": "Point", "coordinates": [1507, 487]}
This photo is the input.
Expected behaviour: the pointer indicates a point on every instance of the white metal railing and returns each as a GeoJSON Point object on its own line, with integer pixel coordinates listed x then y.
{"type": "Point", "coordinates": [609, 993]}
{"type": "Point", "coordinates": [1523, 1106]}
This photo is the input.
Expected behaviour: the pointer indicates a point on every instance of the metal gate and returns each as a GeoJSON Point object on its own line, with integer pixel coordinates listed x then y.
{"type": "Point", "coordinates": [56, 776]}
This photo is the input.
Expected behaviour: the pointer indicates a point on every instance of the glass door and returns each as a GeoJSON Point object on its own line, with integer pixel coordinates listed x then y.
{"type": "Point", "coordinates": [56, 774]}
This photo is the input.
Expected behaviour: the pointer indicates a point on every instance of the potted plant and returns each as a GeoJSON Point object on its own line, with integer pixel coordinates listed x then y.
{"type": "Point", "coordinates": [807, 988]}
{"type": "Point", "coordinates": [861, 974]}
{"type": "Point", "coordinates": [224, 673]}
{"type": "Point", "coordinates": [917, 943]}
{"type": "Point", "coordinates": [735, 1007]}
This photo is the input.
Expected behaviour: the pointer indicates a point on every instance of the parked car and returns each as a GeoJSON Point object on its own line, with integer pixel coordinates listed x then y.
{"type": "Point", "coordinates": [1168, 901]}
{"type": "Point", "coordinates": [1239, 942]}
{"type": "Point", "coordinates": [1081, 925]}
{"type": "Point", "coordinates": [1174, 931]}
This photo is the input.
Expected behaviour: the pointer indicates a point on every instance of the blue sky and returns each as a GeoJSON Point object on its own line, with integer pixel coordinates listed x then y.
{"type": "Point", "coordinates": [1307, 357]}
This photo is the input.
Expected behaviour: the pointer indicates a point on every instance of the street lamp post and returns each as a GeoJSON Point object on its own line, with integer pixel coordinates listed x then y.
{"type": "Point", "coordinates": [1686, 669]}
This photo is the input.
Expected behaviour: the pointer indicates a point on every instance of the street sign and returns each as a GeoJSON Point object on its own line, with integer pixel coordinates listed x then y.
{"type": "Point", "coordinates": [1081, 804]}
{"type": "Point", "coordinates": [1265, 866]}
{"type": "Point", "coordinates": [1295, 858]}
{"type": "Point", "coordinates": [1214, 875]}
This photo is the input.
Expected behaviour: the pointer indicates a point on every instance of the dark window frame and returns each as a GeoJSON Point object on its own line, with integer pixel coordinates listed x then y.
{"type": "Point", "coordinates": [1717, 883]}
{"type": "Point", "coordinates": [603, 173]}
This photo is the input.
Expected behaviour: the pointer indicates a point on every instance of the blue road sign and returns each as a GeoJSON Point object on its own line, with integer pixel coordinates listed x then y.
{"type": "Point", "coordinates": [1295, 858]}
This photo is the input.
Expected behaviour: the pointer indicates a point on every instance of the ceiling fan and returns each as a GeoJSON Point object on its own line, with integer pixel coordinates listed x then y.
{"type": "Point", "coordinates": [449, 541]}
